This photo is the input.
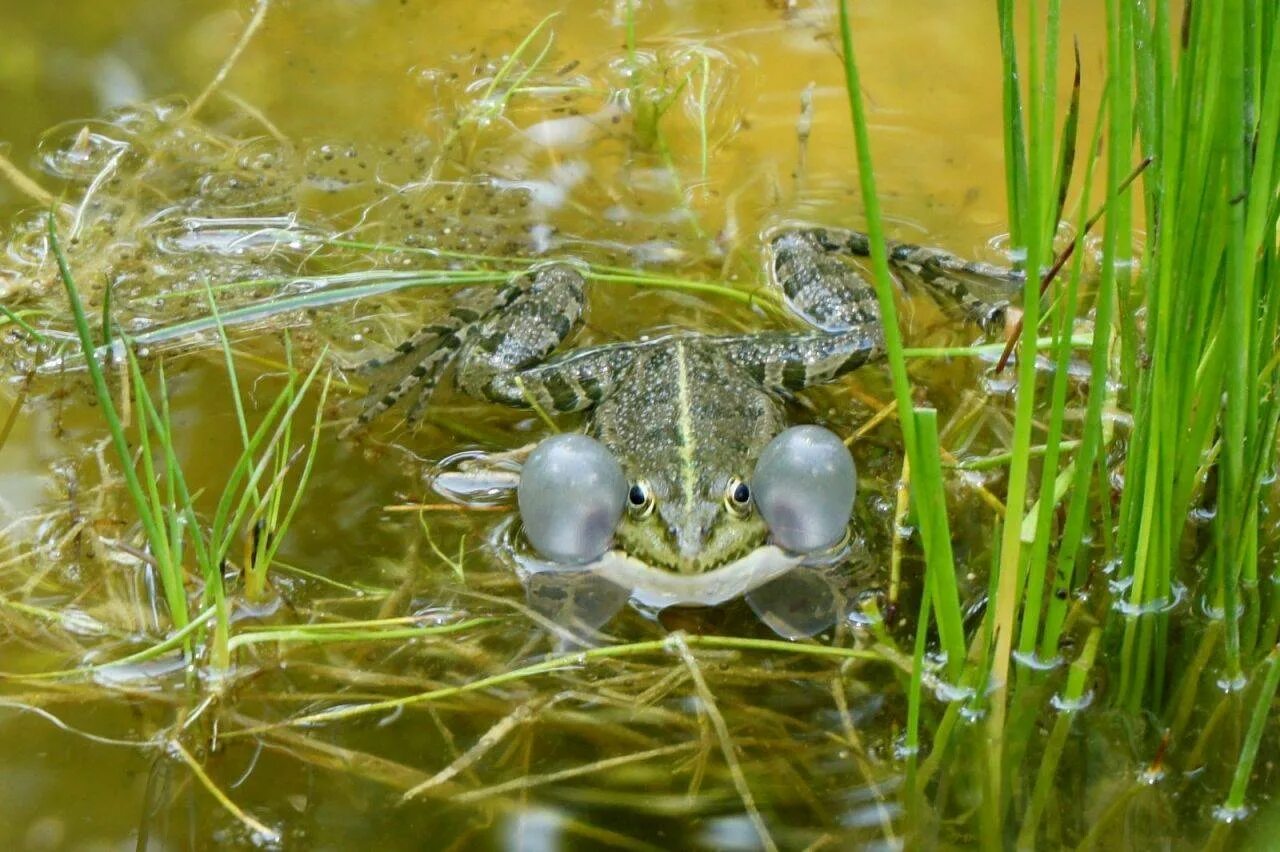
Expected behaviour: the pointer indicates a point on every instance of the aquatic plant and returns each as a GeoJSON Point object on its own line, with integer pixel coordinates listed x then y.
{"type": "Point", "coordinates": [1192, 322]}
{"type": "Point", "coordinates": [1044, 681]}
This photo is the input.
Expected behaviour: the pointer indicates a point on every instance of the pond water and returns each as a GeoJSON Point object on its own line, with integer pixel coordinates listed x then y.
{"type": "Point", "coordinates": [660, 137]}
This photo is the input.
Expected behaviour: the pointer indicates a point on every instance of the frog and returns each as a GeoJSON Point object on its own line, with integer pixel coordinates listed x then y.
{"type": "Point", "coordinates": [687, 485]}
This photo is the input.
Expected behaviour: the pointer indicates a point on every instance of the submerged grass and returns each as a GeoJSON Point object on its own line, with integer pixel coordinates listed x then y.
{"type": "Point", "coordinates": [253, 493]}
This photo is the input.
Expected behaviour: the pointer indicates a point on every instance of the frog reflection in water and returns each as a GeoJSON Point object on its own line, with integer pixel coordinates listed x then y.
{"type": "Point", "coordinates": [690, 470]}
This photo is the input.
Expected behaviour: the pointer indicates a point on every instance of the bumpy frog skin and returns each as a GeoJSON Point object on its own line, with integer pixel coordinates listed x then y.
{"type": "Point", "coordinates": [686, 415]}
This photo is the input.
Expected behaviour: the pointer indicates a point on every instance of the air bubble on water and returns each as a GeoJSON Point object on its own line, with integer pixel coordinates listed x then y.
{"type": "Point", "coordinates": [1119, 585]}
{"type": "Point", "coordinates": [859, 618]}
{"type": "Point", "coordinates": [1215, 611]}
{"type": "Point", "coordinates": [1153, 606]}
{"type": "Point", "coordinates": [1035, 662]}
{"type": "Point", "coordinates": [79, 151]}
{"type": "Point", "coordinates": [1234, 684]}
{"type": "Point", "coordinates": [81, 623]}
{"type": "Point", "coordinates": [149, 672]}
{"type": "Point", "coordinates": [435, 616]}
{"type": "Point", "coordinates": [1202, 515]}
{"type": "Point", "coordinates": [1229, 815]}
{"type": "Point", "coordinates": [246, 609]}
{"type": "Point", "coordinates": [1071, 705]}
{"type": "Point", "coordinates": [950, 692]}
{"type": "Point", "coordinates": [902, 751]}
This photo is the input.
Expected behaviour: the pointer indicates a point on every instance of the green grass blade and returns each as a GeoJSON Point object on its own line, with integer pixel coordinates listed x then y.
{"type": "Point", "coordinates": [152, 525]}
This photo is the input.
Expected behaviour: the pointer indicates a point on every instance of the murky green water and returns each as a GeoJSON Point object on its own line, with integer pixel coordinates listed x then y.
{"type": "Point", "coordinates": [375, 121]}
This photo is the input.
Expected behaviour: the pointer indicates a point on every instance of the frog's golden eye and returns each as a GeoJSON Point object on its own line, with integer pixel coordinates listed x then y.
{"type": "Point", "coordinates": [640, 499]}
{"type": "Point", "coordinates": [737, 497]}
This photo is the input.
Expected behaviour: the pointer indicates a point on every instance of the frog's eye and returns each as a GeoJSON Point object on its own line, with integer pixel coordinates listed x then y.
{"type": "Point", "coordinates": [571, 496]}
{"type": "Point", "coordinates": [640, 499]}
{"type": "Point", "coordinates": [804, 486]}
{"type": "Point", "coordinates": [737, 497]}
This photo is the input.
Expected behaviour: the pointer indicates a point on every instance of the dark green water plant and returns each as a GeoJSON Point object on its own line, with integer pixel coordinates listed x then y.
{"type": "Point", "coordinates": [1184, 316]}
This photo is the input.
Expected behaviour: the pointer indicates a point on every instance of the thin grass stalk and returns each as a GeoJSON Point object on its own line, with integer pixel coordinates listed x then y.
{"type": "Point", "coordinates": [1039, 573]}
{"type": "Point", "coordinates": [940, 569]}
{"type": "Point", "coordinates": [1073, 697]}
{"type": "Point", "coordinates": [17, 320]}
{"type": "Point", "coordinates": [183, 516]}
{"type": "Point", "coordinates": [1239, 318]}
{"type": "Point", "coordinates": [228, 521]}
{"type": "Point", "coordinates": [268, 553]}
{"type": "Point", "coordinates": [1093, 428]}
{"type": "Point", "coordinates": [915, 702]}
{"type": "Point", "coordinates": [1036, 229]}
{"type": "Point", "coordinates": [884, 288]}
{"type": "Point", "coordinates": [1254, 161]}
{"type": "Point", "coordinates": [265, 517]}
{"type": "Point", "coordinates": [1144, 515]}
{"type": "Point", "coordinates": [881, 278]}
{"type": "Point", "coordinates": [1253, 736]}
{"type": "Point", "coordinates": [1015, 151]}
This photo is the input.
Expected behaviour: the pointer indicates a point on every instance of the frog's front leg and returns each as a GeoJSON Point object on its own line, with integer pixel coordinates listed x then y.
{"type": "Point", "coordinates": [787, 361]}
{"type": "Point", "coordinates": [495, 334]}
{"type": "Point", "coordinates": [505, 359]}
{"type": "Point", "coordinates": [574, 381]}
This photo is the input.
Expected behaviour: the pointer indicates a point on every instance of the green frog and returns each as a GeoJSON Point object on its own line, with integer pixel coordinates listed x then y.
{"type": "Point", "coordinates": [688, 487]}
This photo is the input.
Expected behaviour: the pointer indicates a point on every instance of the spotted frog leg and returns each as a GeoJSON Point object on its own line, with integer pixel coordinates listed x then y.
{"type": "Point", "coordinates": [499, 342]}
{"type": "Point", "coordinates": [812, 269]}
{"type": "Point", "coordinates": [803, 259]}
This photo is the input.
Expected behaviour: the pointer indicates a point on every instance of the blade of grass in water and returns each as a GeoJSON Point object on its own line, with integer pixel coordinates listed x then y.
{"type": "Point", "coordinates": [389, 282]}
{"type": "Point", "coordinates": [22, 324]}
{"type": "Point", "coordinates": [1270, 670]}
{"type": "Point", "coordinates": [928, 495]}
{"type": "Point", "coordinates": [940, 569]}
{"type": "Point", "coordinates": [1031, 200]}
{"type": "Point", "coordinates": [1074, 697]}
{"type": "Point", "coordinates": [171, 573]}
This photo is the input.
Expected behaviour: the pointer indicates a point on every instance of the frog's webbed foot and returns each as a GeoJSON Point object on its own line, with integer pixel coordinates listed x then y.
{"type": "Point", "coordinates": [413, 370]}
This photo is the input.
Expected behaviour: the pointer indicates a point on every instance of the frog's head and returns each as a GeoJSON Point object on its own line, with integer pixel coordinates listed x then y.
{"type": "Point", "coordinates": [687, 474]}
{"type": "Point", "coordinates": [688, 457]}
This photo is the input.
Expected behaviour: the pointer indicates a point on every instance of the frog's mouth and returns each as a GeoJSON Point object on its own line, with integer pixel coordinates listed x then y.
{"type": "Point", "coordinates": [659, 587]}
{"type": "Point", "coordinates": [689, 550]}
